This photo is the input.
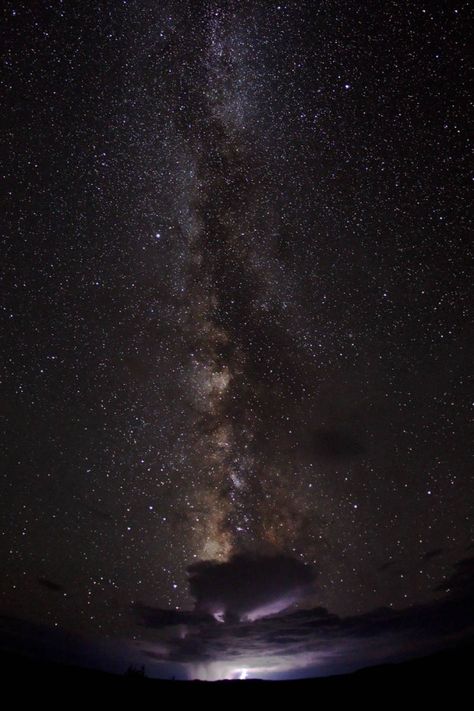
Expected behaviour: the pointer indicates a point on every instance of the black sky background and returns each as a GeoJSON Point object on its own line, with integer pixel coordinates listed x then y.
{"type": "Point", "coordinates": [236, 287]}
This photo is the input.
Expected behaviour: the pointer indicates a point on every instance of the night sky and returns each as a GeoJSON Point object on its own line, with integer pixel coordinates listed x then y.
{"type": "Point", "coordinates": [235, 333]}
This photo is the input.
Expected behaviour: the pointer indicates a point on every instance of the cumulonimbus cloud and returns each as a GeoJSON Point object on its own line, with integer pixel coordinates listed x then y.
{"type": "Point", "coordinates": [249, 586]}
{"type": "Point", "coordinates": [299, 642]}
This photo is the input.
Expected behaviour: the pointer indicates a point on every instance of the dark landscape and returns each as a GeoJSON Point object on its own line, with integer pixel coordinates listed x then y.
{"type": "Point", "coordinates": [442, 676]}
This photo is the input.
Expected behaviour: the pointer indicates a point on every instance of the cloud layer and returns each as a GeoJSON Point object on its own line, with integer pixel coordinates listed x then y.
{"type": "Point", "coordinates": [299, 643]}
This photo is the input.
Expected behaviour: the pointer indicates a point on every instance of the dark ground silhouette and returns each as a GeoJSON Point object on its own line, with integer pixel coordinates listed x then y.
{"type": "Point", "coordinates": [442, 677]}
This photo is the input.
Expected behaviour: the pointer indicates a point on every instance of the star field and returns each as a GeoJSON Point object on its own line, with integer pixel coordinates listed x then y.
{"type": "Point", "coordinates": [236, 302]}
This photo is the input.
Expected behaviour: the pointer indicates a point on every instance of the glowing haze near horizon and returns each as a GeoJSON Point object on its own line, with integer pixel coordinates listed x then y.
{"type": "Point", "coordinates": [237, 361]}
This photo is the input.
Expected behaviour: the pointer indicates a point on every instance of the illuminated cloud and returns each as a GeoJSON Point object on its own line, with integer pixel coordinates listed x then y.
{"type": "Point", "coordinates": [248, 587]}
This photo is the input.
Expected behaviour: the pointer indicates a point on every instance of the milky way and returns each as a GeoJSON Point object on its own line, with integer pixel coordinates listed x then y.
{"type": "Point", "coordinates": [235, 244]}
{"type": "Point", "coordinates": [234, 317]}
